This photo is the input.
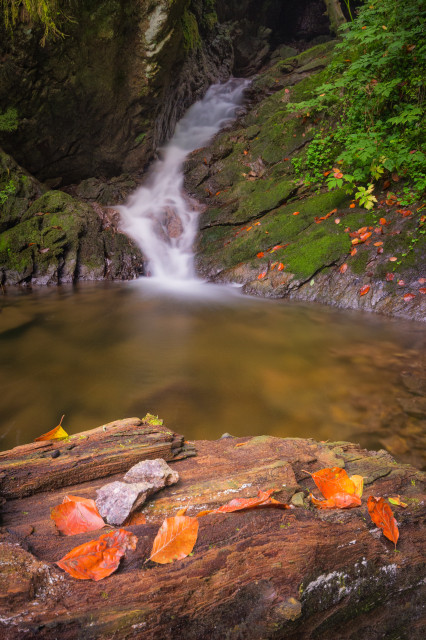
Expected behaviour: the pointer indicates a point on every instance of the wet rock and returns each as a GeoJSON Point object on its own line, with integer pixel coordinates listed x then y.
{"type": "Point", "coordinates": [155, 472]}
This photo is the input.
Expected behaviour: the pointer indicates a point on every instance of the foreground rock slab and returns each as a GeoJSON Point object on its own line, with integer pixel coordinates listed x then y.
{"type": "Point", "coordinates": [264, 574]}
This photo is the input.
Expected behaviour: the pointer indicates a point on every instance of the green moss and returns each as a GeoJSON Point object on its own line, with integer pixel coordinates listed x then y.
{"type": "Point", "coordinates": [190, 32]}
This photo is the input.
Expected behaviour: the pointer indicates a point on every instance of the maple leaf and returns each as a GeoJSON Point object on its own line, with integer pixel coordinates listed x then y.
{"type": "Point", "coordinates": [333, 480]}
{"type": "Point", "coordinates": [337, 501]}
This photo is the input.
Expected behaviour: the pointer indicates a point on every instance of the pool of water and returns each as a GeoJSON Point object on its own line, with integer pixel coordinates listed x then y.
{"type": "Point", "coordinates": [208, 361]}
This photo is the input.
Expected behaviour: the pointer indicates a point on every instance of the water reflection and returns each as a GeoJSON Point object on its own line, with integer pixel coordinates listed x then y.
{"type": "Point", "coordinates": [208, 364]}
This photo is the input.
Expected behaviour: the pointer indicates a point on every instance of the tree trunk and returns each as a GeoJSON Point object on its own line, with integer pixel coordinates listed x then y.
{"type": "Point", "coordinates": [335, 14]}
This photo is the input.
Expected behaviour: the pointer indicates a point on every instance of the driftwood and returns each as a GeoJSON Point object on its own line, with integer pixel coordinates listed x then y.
{"type": "Point", "coordinates": [98, 453]}
{"type": "Point", "coordinates": [264, 574]}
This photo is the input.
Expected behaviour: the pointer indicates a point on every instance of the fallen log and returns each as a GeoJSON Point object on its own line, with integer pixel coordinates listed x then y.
{"type": "Point", "coordinates": [261, 574]}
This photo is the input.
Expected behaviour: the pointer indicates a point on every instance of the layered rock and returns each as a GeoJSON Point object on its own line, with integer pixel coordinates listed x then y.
{"type": "Point", "coordinates": [49, 237]}
{"type": "Point", "coordinates": [264, 228]}
{"type": "Point", "coordinates": [262, 574]}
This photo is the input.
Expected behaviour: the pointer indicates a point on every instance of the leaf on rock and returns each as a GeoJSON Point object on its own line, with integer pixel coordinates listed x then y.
{"type": "Point", "coordinates": [97, 559]}
{"type": "Point", "coordinates": [76, 515]}
{"type": "Point", "coordinates": [58, 433]}
{"type": "Point", "coordinates": [135, 518]}
{"type": "Point", "coordinates": [339, 500]}
{"type": "Point", "coordinates": [397, 500]}
{"type": "Point", "coordinates": [153, 421]}
{"type": "Point", "coordinates": [382, 516]}
{"type": "Point", "coordinates": [359, 484]}
{"type": "Point", "coordinates": [364, 290]}
{"type": "Point", "coordinates": [175, 539]}
{"type": "Point", "coordinates": [333, 480]}
{"type": "Point", "coordinates": [263, 499]}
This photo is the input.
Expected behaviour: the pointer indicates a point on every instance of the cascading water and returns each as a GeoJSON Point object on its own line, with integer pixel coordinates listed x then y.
{"type": "Point", "coordinates": [159, 216]}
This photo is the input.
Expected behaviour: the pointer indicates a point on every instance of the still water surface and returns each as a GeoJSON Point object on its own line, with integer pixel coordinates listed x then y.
{"type": "Point", "coordinates": [208, 364]}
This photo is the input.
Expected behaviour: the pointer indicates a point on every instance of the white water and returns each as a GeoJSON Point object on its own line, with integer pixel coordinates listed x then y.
{"type": "Point", "coordinates": [159, 216]}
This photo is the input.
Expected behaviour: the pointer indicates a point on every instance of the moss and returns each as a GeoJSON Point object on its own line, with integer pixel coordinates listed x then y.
{"type": "Point", "coordinates": [190, 32]}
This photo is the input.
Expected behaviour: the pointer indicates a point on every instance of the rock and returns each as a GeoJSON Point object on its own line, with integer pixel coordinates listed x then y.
{"type": "Point", "coordinates": [298, 499]}
{"type": "Point", "coordinates": [225, 435]}
{"type": "Point", "coordinates": [265, 573]}
{"type": "Point", "coordinates": [117, 500]}
{"type": "Point", "coordinates": [156, 472]}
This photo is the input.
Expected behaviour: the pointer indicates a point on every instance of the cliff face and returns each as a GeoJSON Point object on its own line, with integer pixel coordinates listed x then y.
{"type": "Point", "coordinates": [99, 101]}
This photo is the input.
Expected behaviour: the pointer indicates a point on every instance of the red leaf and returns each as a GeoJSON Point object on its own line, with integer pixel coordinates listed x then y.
{"type": "Point", "coordinates": [175, 539]}
{"type": "Point", "coordinates": [393, 259]}
{"type": "Point", "coordinates": [382, 516]}
{"type": "Point", "coordinates": [352, 206]}
{"type": "Point", "coordinates": [280, 266]}
{"type": "Point", "coordinates": [343, 268]}
{"type": "Point", "coordinates": [338, 501]}
{"type": "Point", "coordinates": [296, 213]}
{"type": "Point", "coordinates": [365, 289]}
{"type": "Point", "coordinates": [97, 559]}
{"type": "Point", "coordinates": [76, 515]}
{"type": "Point", "coordinates": [260, 254]}
{"type": "Point", "coordinates": [390, 277]}
{"type": "Point", "coordinates": [422, 290]}
{"type": "Point", "coordinates": [237, 504]}
{"type": "Point", "coordinates": [353, 251]}
{"type": "Point", "coordinates": [261, 275]}
{"type": "Point", "coordinates": [409, 296]}
{"type": "Point", "coordinates": [401, 283]}
{"type": "Point", "coordinates": [382, 221]}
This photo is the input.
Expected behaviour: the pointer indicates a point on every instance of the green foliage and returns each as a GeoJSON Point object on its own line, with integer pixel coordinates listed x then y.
{"type": "Point", "coordinates": [9, 120]}
{"type": "Point", "coordinates": [320, 153]}
{"type": "Point", "coordinates": [375, 92]}
{"type": "Point", "coordinates": [49, 13]}
{"type": "Point", "coordinates": [7, 190]}
{"type": "Point", "coordinates": [365, 196]}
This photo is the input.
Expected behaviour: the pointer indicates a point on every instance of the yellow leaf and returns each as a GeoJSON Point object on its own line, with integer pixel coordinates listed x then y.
{"type": "Point", "coordinates": [359, 484]}
{"type": "Point", "coordinates": [58, 433]}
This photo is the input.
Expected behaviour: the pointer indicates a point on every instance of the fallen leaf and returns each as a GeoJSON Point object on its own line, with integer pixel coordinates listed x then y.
{"type": "Point", "coordinates": [337, 221]}
{"type": "Point", "coordinates": [352, 206]}
{"type": "Point", "coordinates": [359, 484]}
{"type": "Point", "coordinates": [58, 433]}
{"type": "Point", "coordinates": [76, 515]}
{"type": "Point", "coordinates": [333, 480]}
{"type": "Point", "coordinates": [382, 516]}
{"type": "Point", "coordinates": [245, 152]}
{"type": "Point", "coordinates": [378, 244]}
{"type": "Point", "coordinates": [135, 518]}
{"type": "Point", "coordinates": [393, 259]}
{"type": "Point", "coordinates": [182, 511]}
{"type": "Point", "coordinates": [421, 280]}
{"type": "Point", "coordinates": [380, 250]}
{"type": "Point", "coordinates": [409, 296]}
{"type": "Point", "coordinates": [326, 173]}
{"type": "Point", "coordinates": [386, 184]}
{"type": "Point", "coordinates": [353, 251]}
{"type": "Point", "coordinates": [382, 221]}
{"type": "Point", "coordinates": [343, 268]}
{"type": "Point", "coordinates": [296, 213]}
{"type": "Point", "coordinates": [261, 275]}
{"type": "Point", "coordinates": [241, 444]}
{"type": "Point", "coordinates": [390, 277]}
{"type": "Point", "coordinates": [422, 290]}
{"type": "Point", "coordinates": [45, 250]}
{"type": "Point", "coordinates": [280, 266]}
{"type": "Point", "coordinates": [401, 283]}
{"type": "Point", "coordinates": [338, 501]}
{"type": "Point", "coordinates": [256, 224]}
{"type": "Point", "coordinates": [175, 539]}
{"type": "Point", "coordinates": [365, 289]}
{"type": "Point", "coordinates": [97, 559]}
{"type": "Point", "coordinates": [260, 254]}
{"type": "Point", "coordinates": [397, 500]}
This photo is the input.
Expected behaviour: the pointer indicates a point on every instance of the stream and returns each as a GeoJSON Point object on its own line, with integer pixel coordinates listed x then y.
{"type": "Point", "coordinates": [207, 363]}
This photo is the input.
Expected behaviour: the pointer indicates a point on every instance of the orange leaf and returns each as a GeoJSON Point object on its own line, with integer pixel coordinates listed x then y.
{"type": "Point", "coordinates": [353, 251]}
{"type": "Point", "coordinates": [382, 221]}
{"type": "Point", "coordinates": [364, 236]}
{"type": "Point", "coordinates": [58, 433]}
{"type": "Point", "coordinates": [261, 275]}
{"type": "Point", "coordinates": [352, 206]}
{"type": "Point", "coordinates": [378, 244]}
{"type": "Point", "coordinates": [343, 268]}
{"type": "Point", "coordinates": [338, 501]}
{"type": "Point", "coordinates": [260, 254]}
{"type": "Point", "coordinates": [76, 515]}
{"type": "Point", "coordinates": [280, 266]}
{"type": "Point", "coordinates": [245, 152]}
{"type": "Point", "coordinates": [326, 173]}
{"type": "Point", "coordinates": [333, 480]}
{"type": "Point", "coordinates": [355, 241]}
{"type": "Point", "coordinates": [393, 259]}
{"type": "Point", "coordinates": [237, 504]}
{"type": "Point", "coordinates": [422, 290]}
{"type": "Point", "coordinates": [296, 213]}
{"type": "Point", "coordinates": [135, 518]}
{"type": "Point", "coordinates": [409, 296]}
{"type": "Point", "coordinates": [359, 484]}
{"type": "Point", "coordinates": [365, 289]}
{"type": "Point", "coordinates": [97, 559]}
{"type": "Point", "coordinates": [338, 174]}
{"type": "Point", "coordinates": [382, 516]}
{"type": "Point", "coordinates": [256, 224]}
{"type": "Point", "coordinates": [175, 539]}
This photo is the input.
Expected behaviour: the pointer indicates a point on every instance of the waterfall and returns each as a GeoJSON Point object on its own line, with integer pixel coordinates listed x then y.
{"type": "Point", "coordinates": [159, 216]}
